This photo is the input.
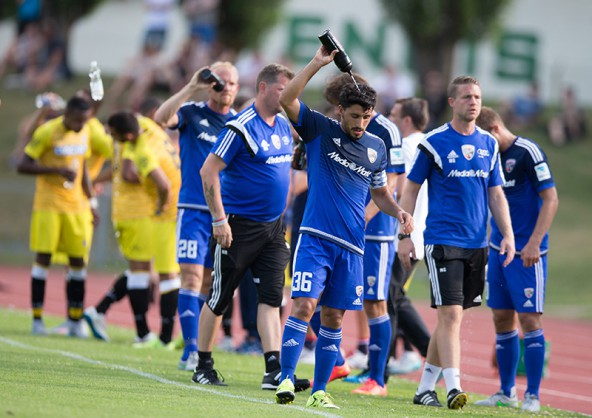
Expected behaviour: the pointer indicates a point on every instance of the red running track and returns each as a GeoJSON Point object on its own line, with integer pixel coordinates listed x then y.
{"type": "Point", "coordinates": [568, 385]}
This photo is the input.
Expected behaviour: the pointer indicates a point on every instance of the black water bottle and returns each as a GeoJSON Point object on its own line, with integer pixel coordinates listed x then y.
{"type": "Point", "coordinates": [207, 76]}
{"type": "Point", "coordinates": [330, 42]}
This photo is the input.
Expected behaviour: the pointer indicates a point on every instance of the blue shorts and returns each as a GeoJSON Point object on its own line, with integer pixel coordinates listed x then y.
{"type": "Point", "coordinates": [194, 228]}
{"type": "Point", "coordinates": [326, 270]}
{"type": "Point", "coordinates": [515, 286]}
{"type": "Point", "coordinates": [378, 262]}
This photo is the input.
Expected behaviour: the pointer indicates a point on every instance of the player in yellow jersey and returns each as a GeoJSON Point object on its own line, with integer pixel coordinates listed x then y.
{"type": "Point", "coordinates": [57, 155]}
{"type": "Point", "coordinates": [145, 178]}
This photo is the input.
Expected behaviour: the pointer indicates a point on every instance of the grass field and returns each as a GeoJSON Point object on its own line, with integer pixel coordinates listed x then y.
{"type": "Point", "coordinates": [63, 377]}
{"type": "Point", "coordinates": [569, 288]}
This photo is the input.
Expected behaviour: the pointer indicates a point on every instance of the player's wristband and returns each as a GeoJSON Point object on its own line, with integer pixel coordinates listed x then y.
{"type": "Point", "coordinates": [220, 222]}
{"type": "Point", "coordinates": [403, 236]}
{"type": "Point", "coordinates": [94, 203]}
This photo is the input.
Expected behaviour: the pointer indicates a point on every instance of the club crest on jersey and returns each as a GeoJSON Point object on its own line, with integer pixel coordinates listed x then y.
{"type": "Point", "coordinates": [359, 290]}
{"type": "Point", "coordinates": [468, 151]}
{"type": "Point", "coordinates": [528, 292]}
{"type": "Point", "coordinates": [275, 140]}
{"type": "Point", "coordinates": [371, 280]}
{"type": "Point", "coordinates": [510, 164]}
{"type": "Point", "coordinates": [372, 155]}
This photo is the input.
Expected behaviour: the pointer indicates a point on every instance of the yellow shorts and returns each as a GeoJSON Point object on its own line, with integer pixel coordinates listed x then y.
{"type": "Point", "coordinates": [62, 258]}
{"type": "Point", "coordinates": [53, 232]}
{"type": "Point", "coordinates": [165, 256]}
{"type": "Point", "coordinates": [135, 238]}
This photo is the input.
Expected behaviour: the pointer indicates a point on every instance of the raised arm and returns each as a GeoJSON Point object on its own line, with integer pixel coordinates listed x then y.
{"type": "Point", "coordinates": [289, 97]}
{"type": "Point", "coordinates": [166, 114]}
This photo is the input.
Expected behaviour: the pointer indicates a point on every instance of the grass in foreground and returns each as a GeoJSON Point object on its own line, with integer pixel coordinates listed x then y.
{"type": "Point", "coordinates": [63, 377]}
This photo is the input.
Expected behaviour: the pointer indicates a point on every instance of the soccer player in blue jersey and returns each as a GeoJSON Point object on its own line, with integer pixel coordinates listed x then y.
{"type": "Point", "coordinates": [343, 162]}
{"type": "Point", "coordinates": [378, 253]}
{"type": "Point", "coordinates": [199, 124]}
{"type": "Point", "coordinates": [520, 287]}
{"type": "Point", "coordinates": [246, 179]}
{"type": "Point", "coordinates": [460, 161]}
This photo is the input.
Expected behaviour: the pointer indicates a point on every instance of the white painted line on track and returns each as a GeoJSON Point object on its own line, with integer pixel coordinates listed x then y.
{"type": "Point", "coordinates": [201, 388]}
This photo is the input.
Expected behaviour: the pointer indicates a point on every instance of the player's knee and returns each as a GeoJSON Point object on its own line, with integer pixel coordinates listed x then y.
{"type": "Point", "coordinates": [303, 308]}
{"type": "Point", "coordinates": [191, 279]}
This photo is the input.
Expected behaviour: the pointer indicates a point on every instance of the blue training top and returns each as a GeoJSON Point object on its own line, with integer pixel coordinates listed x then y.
{"type": "Point", "coordinates": [382, 226]}
{"type": "Point", "coordinates": [198, 127]}
{"type": "Point", "coordinates": [459, 169]}
{"type": "Point", "coordinates": [527, 173]}
{"type": "Point", "coordinates": [256, 179]}
{"type": "Point", "coordinates": [340, 169]}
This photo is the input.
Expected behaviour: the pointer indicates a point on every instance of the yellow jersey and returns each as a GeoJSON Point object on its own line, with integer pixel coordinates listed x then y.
{"type": "Point", "coordinates": [154, 149]}
{"type": "Point", "coordinates": [53, 145]}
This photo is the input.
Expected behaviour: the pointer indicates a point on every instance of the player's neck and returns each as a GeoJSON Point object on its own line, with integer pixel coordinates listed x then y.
{"type": "Point", "coordinates": [463, 127]}
{"type": "Point", "coordinates": [267, 115]}
{"type": "Point", "coordinates": [218, 108]}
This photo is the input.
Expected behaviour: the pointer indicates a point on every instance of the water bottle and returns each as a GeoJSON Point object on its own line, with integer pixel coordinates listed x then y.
{"type": "Point", "coordinates": [96, 84]}
{"type": "Point", "coordinates": [207, 76]}
{"type": "Point", "coordinates": [51, 100]}
{"type": "Point", "coordinates": [330, 42]}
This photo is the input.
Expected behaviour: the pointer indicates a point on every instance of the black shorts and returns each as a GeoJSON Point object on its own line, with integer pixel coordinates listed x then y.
{"type": "Point", "coordinates": [260, 246]}
{"type": "Point", "coordinates": [457, 275]}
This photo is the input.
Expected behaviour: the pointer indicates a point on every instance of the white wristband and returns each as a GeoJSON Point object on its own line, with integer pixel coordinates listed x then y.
{"type": "Point", "coordinates": [220, 222]}
{"type": "Point", "coordinates": [94, 203]}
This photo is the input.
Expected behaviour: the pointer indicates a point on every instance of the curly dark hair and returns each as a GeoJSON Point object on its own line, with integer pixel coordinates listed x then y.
{"type": "Point", "coordinates": [363, 95]}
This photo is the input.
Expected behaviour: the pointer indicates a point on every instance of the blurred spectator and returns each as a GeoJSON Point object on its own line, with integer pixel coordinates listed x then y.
{"type": "Point", "coordinates": [570, 124]}
{"type": "Point", "coordinates": [36, 58]}
{"type": "Point", "coordinates": [28, 11]}
{"type": "Point", "coordinates": [141, 75]}
{"type": "Point", "coordinates": [525, 111]}
{"type": "Point", "coordinates": [158, 16]}
{"type": "Point", "coordinates": [434, 91]}
{"type": "Point", "coordinates": [195, 53]}
{"type": "Point", "coordinates": [248, 67]}
{"type": "Point", "coordinates": [203, 19]}
{"type": "Point", "coordinates": [391, 85]}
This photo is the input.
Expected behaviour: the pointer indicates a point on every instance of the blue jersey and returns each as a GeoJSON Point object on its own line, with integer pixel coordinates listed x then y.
{"type": "Point", "coordinates": [256, 179]}
{"type": "Point", "coordinates": [459, 169]}
{"type": "Point", "coordinates": [198, 127]}
{"type": "Point", "coordinates": [382, 226]}
{"type": "Point", "coordinates": [340, 170]}
{"type": "Point", "coordinates": [527, 173]}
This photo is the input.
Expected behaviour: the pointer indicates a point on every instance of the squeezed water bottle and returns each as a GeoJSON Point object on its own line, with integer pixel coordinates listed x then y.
{"type": "Point", "coordinates": [96, 84]}
{"type": "Point", "coordinates": [341, 59]}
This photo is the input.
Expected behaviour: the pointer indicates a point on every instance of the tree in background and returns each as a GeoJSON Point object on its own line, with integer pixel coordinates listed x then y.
{"type": "Point", "coordinates": [243, 23]}
{"type": "Point", "coordinates": [434, 27]}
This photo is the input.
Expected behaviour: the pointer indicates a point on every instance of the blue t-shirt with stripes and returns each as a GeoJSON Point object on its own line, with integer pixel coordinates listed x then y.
{"type": "Point", "coordinates": [340, 170]}
{"type": "Point", "coordinates": [198, 127]}
{"type": "Point", "coordinates": [256, 179]}
{"type": "Point", "coordinates": [459, 169]}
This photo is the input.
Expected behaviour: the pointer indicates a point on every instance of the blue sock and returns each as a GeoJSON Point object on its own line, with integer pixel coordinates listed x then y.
{"type": "Point", "coordinates": [292, 344]}
{"type": "Point", "coordinates": [507, 349]}
{"type": "Point", "coordinates": [315, 325]}
{"type": "Point", "coordinates": [325, 356]}
{"type": "Point", "coordinates": [534, 360]}
{"type": "Point", "coordinates": [378, 348]}
{"type": "Point", "coordinates": [189, 309]}
{"type": "Point", "coordinates": [201, 299]}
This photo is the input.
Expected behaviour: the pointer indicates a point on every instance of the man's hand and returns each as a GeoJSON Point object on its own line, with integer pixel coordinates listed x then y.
{"type": "Point", "coordinates": [406, 221]}
{"type": "Point", "coordinates": [406, 251]}
{"type": "Point", "coordinates": [223, 235]}
{"type": "Point", "coordinates": [530, 254]}
{"type": "Point", "coordinates": [67, 173]}
{"type": "Point", "coordinates": [508, 248]}
{"type": "Point", "coordinates": [322, 57]}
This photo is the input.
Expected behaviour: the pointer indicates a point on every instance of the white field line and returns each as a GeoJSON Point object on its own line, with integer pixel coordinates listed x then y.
{"type": "Point", "coordinates": [201, 388]}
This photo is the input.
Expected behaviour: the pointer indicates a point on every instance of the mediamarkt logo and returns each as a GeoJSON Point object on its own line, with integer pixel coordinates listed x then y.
{"type": "Point", "coordinates": [468, 173]}
{"type": "Point", "coordinates": [351, 165]}
{"type": "Point", "coordinates": [279, 159]}
{"type": "Point", "coordinates": [207, 137]}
